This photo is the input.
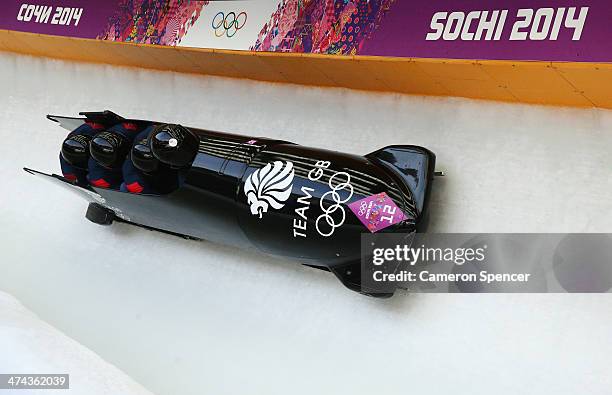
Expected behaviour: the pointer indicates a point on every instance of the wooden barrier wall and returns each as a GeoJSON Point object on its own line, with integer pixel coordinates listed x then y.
{"type": "Point", "coordinates": [555, 83]}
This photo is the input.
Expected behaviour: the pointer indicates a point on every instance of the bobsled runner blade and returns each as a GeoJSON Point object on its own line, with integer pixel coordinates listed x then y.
{"type": "Point", "coordinates": [95, 200]}
{"type": "Point", "coordinates": [105, 117]}
{"type": "Point", "coordinates": [64, 183]}
{"type": "Point", "coordinates": [68, 123]}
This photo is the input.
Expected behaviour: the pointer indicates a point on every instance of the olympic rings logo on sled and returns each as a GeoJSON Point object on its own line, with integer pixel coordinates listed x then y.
{"type": "Point", "coordinates": [337, 206]}
{"type": "Point", "coordinates": [363, 207]}
{"type": "Point", "coordinates": [229, 23]}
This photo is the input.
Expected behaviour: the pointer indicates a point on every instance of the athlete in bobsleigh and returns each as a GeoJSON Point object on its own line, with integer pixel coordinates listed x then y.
{"type": "Point", "coordinates": [115, 158]}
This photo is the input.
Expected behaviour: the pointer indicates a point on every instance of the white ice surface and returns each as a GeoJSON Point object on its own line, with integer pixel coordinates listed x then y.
{"type": "Point", "coordinates": [29, 345]}
{"type": "Point", "coordinates": [188, 318]}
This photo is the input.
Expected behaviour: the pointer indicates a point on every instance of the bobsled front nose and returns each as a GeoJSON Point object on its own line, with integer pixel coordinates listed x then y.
{"type": "Point", "coordinates": [413, 166]}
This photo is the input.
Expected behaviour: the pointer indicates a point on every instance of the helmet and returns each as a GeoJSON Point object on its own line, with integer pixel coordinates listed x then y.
{"type": "Point", "coordinates": [143, 158]}
{"type": "Point", "coordinates": [75, 149]}
{"type": "Point", "coordinates": [109, 149]}
{"type": "Point", "coordinates": [174, 145]}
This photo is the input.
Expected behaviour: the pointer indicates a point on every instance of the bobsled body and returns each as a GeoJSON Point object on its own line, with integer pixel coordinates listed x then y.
{"type": "Point", "coordinates": [283, 199]}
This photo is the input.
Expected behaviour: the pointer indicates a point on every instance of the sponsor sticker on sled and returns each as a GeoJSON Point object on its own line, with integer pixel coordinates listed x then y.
{"type": "Point", "coordinates": [377, 212]}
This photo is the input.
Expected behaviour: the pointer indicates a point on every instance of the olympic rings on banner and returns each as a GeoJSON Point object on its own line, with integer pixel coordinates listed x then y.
{"type": "Point", "coordinates": [332, 222]}
{"type": "Point", "coordinates": [228, 24]}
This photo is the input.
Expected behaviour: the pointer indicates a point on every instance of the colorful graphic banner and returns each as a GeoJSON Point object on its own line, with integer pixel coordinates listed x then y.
{"type": "Point", "coordinates": [555, 30]}
{"type": "Point", "coordinates": [561, 30]}
{"type": "Point", "coordinates": [75, 18]}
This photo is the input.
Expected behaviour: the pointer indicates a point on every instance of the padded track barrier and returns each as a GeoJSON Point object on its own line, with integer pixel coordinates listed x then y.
{"type": "Point", "coordinates": [556, 83]}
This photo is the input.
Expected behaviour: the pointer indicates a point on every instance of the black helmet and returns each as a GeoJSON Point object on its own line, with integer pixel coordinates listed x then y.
{"type": "Point", "coordinates": [143, 158]}
{"type": "Point", "coordinates": [109, 149]}
{"type": "Point", "coordinates": [75, 149]}
{"type": "Point", "coordinates": [174, 145]}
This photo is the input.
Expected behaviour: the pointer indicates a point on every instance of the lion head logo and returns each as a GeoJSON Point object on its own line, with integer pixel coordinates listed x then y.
{"type": "Point", "coordinates": [269, 186]}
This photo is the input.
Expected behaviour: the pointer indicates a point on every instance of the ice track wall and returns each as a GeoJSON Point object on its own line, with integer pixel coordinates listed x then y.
{"type": "Point", "coordinates": [578, 84]}
{"type": "Point", "coordinates": [189, 318]}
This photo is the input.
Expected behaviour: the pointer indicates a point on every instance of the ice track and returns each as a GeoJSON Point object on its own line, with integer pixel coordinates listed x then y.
{"type": "Point", "coordinates": [184, 317]}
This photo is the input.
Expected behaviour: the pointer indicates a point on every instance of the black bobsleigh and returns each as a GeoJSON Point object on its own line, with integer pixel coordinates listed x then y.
{"type": "Point", "coordinates": [275, 196]}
